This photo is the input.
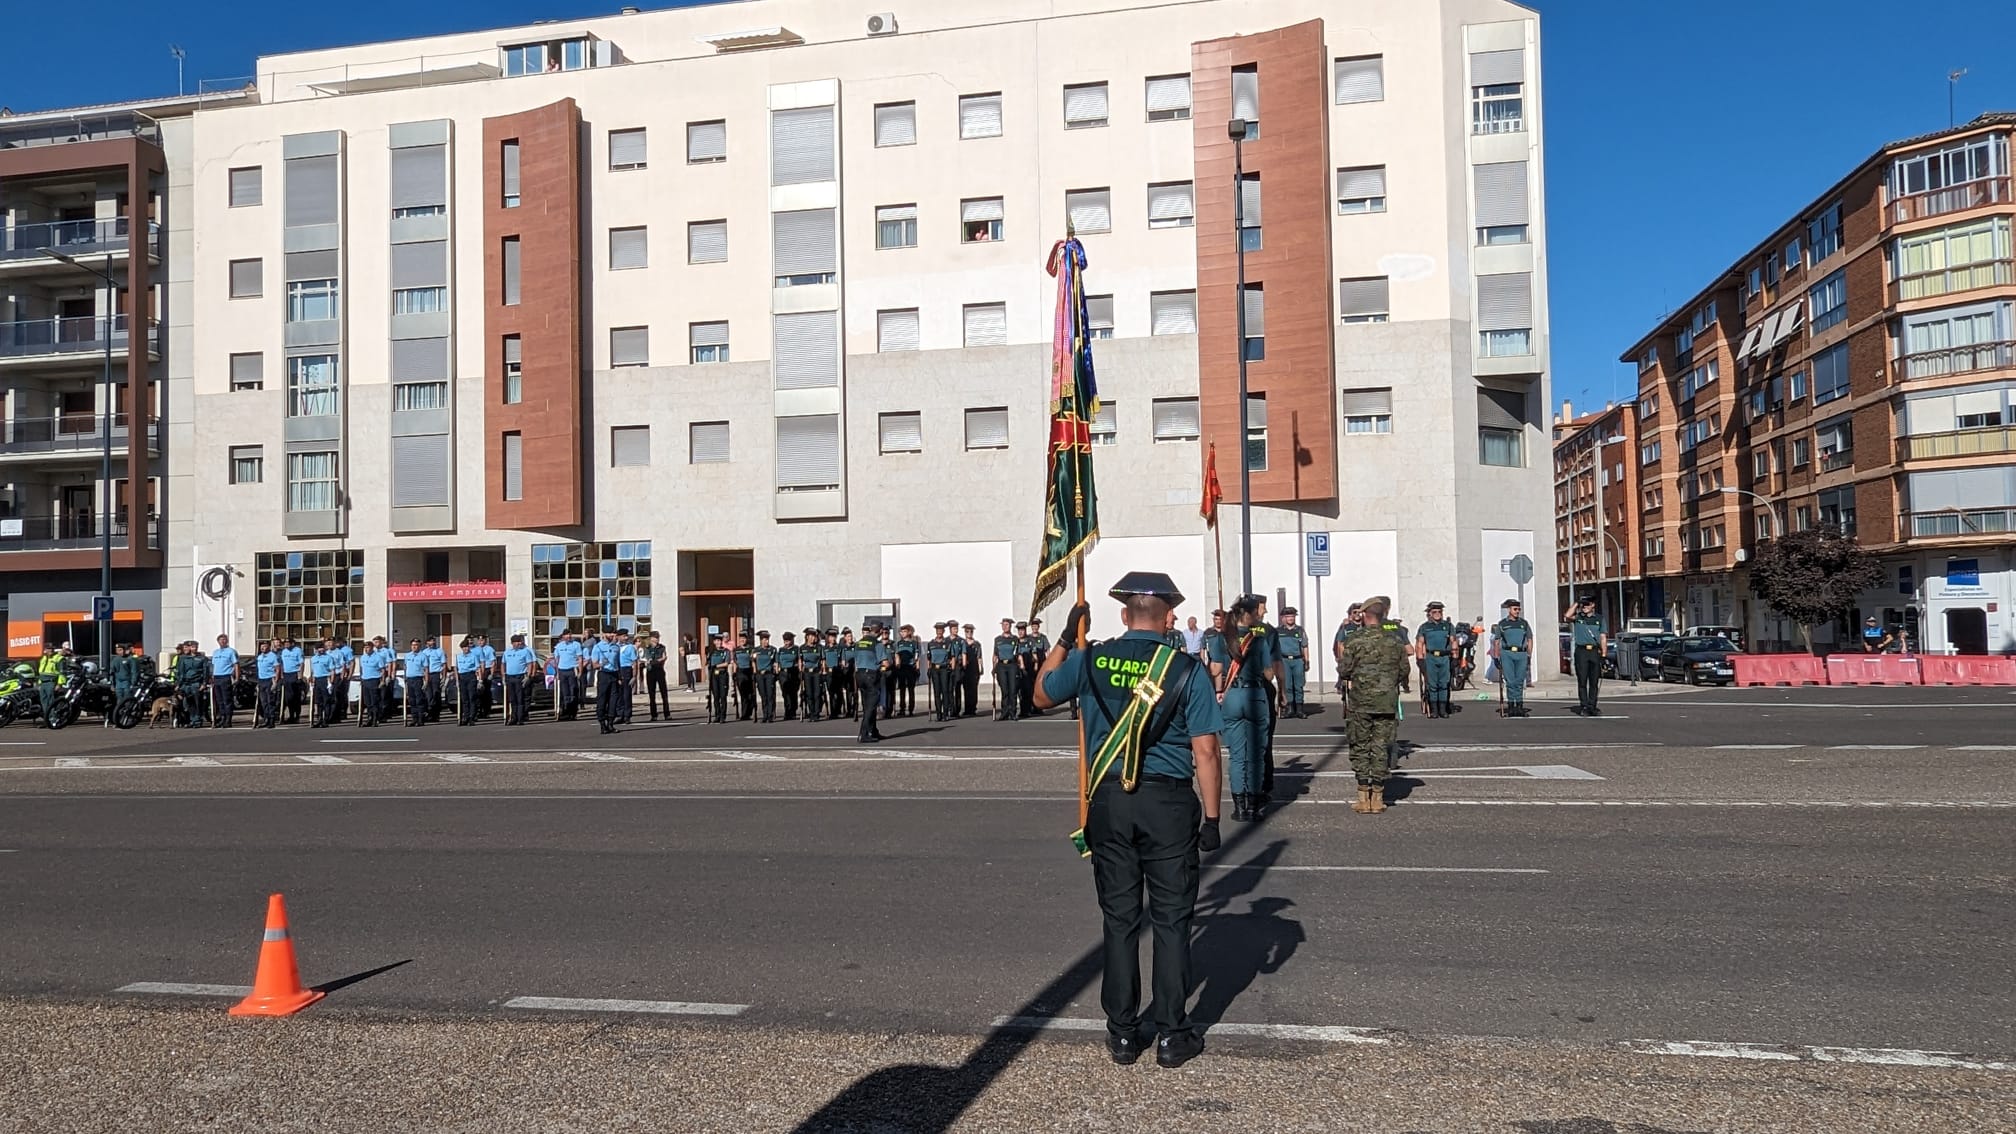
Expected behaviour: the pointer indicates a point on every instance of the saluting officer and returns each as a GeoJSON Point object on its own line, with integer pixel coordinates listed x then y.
{"type": "Point", "coordinates": [1373, 664]}
{"type": "Point", "coordinates": [1008, 672]}
{"type": "Point", "coordinates": [1512, 646]}
{"type": "Point", "coordinates": [764, 659]}
{"type": "Point", "coordinates": [1435, 647]}
{"type": "Point", "coordinates": [1586, 636]}
{"type": "Point", "coordinates": [720, 661]}
{"type": "Point", "coordinates": [1293, 642]}
{"type": "Point", "coordinates": [1151, 725]}
{"type": "Point", "coordinates": [869, 661]}
{"type": "Point", "coordinates": [789, 675]}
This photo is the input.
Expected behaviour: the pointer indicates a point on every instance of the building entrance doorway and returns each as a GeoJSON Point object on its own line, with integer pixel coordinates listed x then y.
{"type": "Point", "coordinates": [1967, 630]}
{"type": "Point", "coordinates": [717, 593]}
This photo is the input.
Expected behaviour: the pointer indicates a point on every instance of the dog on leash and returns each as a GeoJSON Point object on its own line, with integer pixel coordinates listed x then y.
{"type": "Point", "coordinates": [162, 710]}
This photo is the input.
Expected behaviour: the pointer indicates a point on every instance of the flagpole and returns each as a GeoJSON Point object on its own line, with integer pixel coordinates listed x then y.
{"type": "Point", "coordinates": [1084, 771]}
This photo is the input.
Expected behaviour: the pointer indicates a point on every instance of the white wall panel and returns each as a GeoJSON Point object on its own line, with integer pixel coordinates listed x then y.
{"type": "Point", "coordinates": [973, 582]}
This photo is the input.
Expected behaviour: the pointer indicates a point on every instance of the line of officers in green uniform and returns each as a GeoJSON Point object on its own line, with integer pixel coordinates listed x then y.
{"type": "Point", "coordinates": [833, 674]}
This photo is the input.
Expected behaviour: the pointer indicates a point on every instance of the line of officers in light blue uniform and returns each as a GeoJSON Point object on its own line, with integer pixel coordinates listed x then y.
{"type": "Point", "coordinates": [415, 683]}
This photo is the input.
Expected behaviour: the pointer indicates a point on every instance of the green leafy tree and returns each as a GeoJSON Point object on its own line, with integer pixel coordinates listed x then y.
{"type": "Point", "coordinates": [1814, 577]}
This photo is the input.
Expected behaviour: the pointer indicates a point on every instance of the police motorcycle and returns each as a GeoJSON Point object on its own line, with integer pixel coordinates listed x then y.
{"type": "Point", "coordinates": [17, 694]}
{"type": "Point", "coordinates": [134, 708]}
{"type": "Point", "coordinates": [88, 691]}
{"type": "Point", "coordinates": [1463, 674]}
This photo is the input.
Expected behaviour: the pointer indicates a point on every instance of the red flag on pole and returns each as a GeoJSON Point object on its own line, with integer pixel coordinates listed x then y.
{"type": "Point", "coordinates": [1212, 492]}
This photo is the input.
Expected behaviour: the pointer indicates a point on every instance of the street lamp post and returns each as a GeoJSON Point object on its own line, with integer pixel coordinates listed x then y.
{"type": "Point", "coordinates": [1770, 508]}
{"type": "Point", "coordinates": [1619, 545]}
{"type": "Point", "coordinates": [105, 430]}
{"type": "Point", "coordinates": [1237, 129]}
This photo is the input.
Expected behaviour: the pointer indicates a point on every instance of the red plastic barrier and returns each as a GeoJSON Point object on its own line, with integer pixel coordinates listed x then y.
{"type": "Point", "coordinates": [1942, 669]}
{"type": "Point", "coordinates": [1778, 669]}
{"type": "Point", "coordinates": [1873, 669]}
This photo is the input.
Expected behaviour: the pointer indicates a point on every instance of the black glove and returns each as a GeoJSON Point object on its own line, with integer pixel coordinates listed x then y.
{"type": "Point", "coordinates": [1207, 837]}
{"type": "Point", "coordinates": [1074, 627]}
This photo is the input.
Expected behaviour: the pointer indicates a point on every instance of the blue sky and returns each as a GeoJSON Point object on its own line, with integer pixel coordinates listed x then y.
{"type": "Point", "coordinates": [1678, 135]}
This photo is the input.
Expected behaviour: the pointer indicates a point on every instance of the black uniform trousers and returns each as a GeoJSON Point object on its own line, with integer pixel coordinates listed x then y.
{"type": "Point", "coordinates": [1588, 675]}
{"type": "Point", "coordinates": [906, 688]}
{"type": "Point", "coordinates": [371, 713]}
{"type": "Point", "coordinates": [843, 690]}
{"type": "Point", "coordinates": [766, 688]}
{"type": "Point", "coordinates": [626, 694]}
{"type": "Point", "coordinates": [325, 702]}
{"type": "Point", "coordinates": [339, 689]}
{"type": "Point", "coordinates": [268, 713]}
{"type": "Point", "coordinates": [465, 697]}
{"type": "Point", "coordinates": [717, 696]}
{"type": "Point", "coordinates": [970, 683]}
{"type": "Point", "coordinates": [567, 694]}
{"type": "Point", "coordinates": [1008, 677]}
{"type": "Point", "coordinates": [1267, 749]}
{"type": "Point", "coordinates": [745, 694]}
{"type": "Point", "coordinates": [656, 691]}
{"type": "Point", "coordinates": [866, 682]}
{"type": "Point", "coordinates": [514, 698]}
{"type": "Point", "coordinates": [416, 701]}
{"type": "Point", "coordinates": [790, 679]}
{"type": "Point", "coordinates": [290, 696]}
{"type": "Point", "coordinates": [224, 698]}
{"type": "Point", "coordinates": [815, 694]}
{"type": "Point", "coordinates": [1145, 839]}
{"type": "Point", "coordinates": [434, 699]}
{"type": "Point", "coordinates": [1030, 665]}
{"type": "Point", "coordinates": [606, 697]}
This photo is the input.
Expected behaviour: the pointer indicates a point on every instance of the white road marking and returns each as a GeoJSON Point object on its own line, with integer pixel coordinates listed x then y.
{"type": "Point", "coordinates": [1874, 747]}
{"type": "Point", "coordinates": [1326, 1034]}
{"type": "Point", "coordinates": [320, 758]}
{"type": "Point", "coordinates": [745, 756]}
{"type": "Point", "coordinates": [195, 761]}
{"type": "Point", "coordinates": [1895, 1057]}
{"type": "Point", "coordinates": [665, 1007]}
{"type": "Point", "coordinates": [374, 740]}
{"type": "Point", "coordinates": [1986, 748]}
{"type": "Point", "coordinates": [1900, 804]}
{"type": "Point", "coordinates": [1753, 747]}
{"type": "Point", "coordinates": [1393, 869]}
{"type": "Point", "coordinates": [607, 757]}
{"type": "Point", "coordinates": [73, 762]}
{"type": "Point", "coordinates": [166, 989]}
{"type": "Point", "coordinates": [461, 758]}
{"type": "Point", "coordinates": [22, 743]}
{"type": "Point", "coordinates": [897, 755]}
{"type": "Point", "coordinates": [1853, 704]}
{"type": "Point", "coordinates": [1497, 772]}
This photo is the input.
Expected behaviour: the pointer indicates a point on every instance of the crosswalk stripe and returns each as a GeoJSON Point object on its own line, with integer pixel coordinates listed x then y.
{"type": "Point", "coordinates": [320, 758]}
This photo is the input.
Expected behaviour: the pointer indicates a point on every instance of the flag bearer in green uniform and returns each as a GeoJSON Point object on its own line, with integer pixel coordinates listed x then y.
{"type": "Point", "coordinates": [1151, 726]}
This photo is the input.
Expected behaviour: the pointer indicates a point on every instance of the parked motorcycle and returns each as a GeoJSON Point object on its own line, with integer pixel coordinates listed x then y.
{"type": "Point", "coordinates": [133, 709]}
{"type": "Point", "coordinates": [87, 692]}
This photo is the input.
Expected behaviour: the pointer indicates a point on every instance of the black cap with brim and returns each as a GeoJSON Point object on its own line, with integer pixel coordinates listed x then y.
{"type": "Point", "coordinates": [1147, 584]}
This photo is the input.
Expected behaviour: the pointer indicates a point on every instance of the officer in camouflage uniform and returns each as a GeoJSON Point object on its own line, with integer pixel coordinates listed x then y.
{"type": "Point", "coordinates": [1293, 643]}
{"type": "Point", "coordinates": [1435, 647]}
{"type": "Point", "coordinates": [1372, 665]}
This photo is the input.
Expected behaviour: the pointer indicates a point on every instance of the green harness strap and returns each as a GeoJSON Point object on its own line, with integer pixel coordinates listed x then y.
{"type": "Point", "coordinates": [1123, 743]}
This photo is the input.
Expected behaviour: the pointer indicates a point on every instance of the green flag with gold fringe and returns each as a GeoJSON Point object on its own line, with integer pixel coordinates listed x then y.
{"type": "Point", "coordinates": [1071, 510]}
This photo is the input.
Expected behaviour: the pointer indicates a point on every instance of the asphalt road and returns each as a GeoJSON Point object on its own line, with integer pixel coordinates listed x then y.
{"type": "Point", "coordinates": [1809, 870]}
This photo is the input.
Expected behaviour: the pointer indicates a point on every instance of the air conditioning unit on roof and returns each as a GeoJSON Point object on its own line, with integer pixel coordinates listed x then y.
{"type": "Point", "coordinates": [882, 23]}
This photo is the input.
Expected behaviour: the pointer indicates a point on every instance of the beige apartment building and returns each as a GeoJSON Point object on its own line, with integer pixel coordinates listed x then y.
{"type": "Point", "coordinates": [738, 313]}
{"type": "Point", "coordinates": [1858, 368]}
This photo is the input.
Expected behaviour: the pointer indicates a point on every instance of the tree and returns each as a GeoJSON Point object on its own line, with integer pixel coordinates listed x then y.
{"type": "Point", "coordinates": [1814, 577]}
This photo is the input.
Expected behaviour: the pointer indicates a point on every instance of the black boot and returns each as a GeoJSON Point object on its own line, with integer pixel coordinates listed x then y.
{"type": "Point", "coordinates": [1242, 807]}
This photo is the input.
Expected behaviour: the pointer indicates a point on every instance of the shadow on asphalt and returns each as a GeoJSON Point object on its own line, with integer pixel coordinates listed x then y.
{"type": "Point", "coordinates": [353, 978]}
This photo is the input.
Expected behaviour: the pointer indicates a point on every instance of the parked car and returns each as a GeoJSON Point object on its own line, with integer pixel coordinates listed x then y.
{"type": "Point", "coordinates": [1650, 646]}
{"type": "Point", "coordinates": [1695, 659]}
{"type": "Point", "coordinates": [1733, 633]}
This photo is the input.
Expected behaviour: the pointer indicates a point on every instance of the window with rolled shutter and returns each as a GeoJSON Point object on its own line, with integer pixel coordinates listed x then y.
{"type": "Point", "coordinates": [1505, 301]}
{"type": "Point", "coordinates": [1363, 300]}
{"type": "Point", "coordinates": [311, 191]}
{"type": "Point", "coordinates": [707, 242]}
{"type": "Point", "coordinates": [1175, 419]}
{"type": "Point", "coordinates": [247, 278]}
{"type": "Point", "coordinates": [805, 247]}
{"type": "Point", "coordinates": [1246, 97]}
{"type": "Point", "coordinates": [628, 248]}
{"type": "Point", "coordinates": [421, 360]}
{"type": "Point", "coordinates": [1089, 210]}
{"type": "Point", "coordinates": [629, 446]}
{"type": "Point", "coordinates": [512, 271]}
{"type": "Point", "coordinates": [324, 265]}
{"type": "Point", "coordinates": [1249, 201]}
{"type": "Point", "coordinates": [1172, 313]}
{"type": "Point", "coordinates": [706, 142]}
{"type": "Point", "coordinates": [420, 470]}
{"type": "Point", "coordinates": [707, 442]}
{"type": "Point", "coordinates": [1105, 425]}
{"type": "Point", "coordinates": [806, 349]}
{"type": "Point", "coordinates": [1362, 79]}
{"type": "Point", "coordinates": [980, 115]}
{"type": "Point", "coordinates": [709, 334]}
{"type": "Point", "coordinates": [808, 451]}
{"type": "Point", "coordinates": [901, 432]}
{"type": "Point", "coordinates": [420, 265]}
{"type": "Point", "coordinates": [1501, 409]}
{"type": "Point", "coordinates": [629, 346]}
{"type": "Point", "coordinates": [1256, 311]}
{"type": "Point", "coordinates": [1172, 204]}
{"type": "Point", "coordinates": [1085, 106]}
{"type": "Point", "coordinates": [801, 146]}
{"type": "Point", "coordinates": [627, 149]}
{"type": "Point", "coordinates": [419, 177]}
{"type": "Point", "coordinates": [896, 330]}
{"type": "Point", "coordinates": [1168, 98]}
{"type": "Point", "coordinates": [1361, 189]}
{"type": "Point", "coordinates": [1501, 194]}
{"type": "Point", "coordinates": [986, 324]}
{"type": "Point", "coordinates": [896, 124]}
{"type": "Point", "coordinates": [1497, 68]}
{"type": "Point", "coordinates": [512, 181]}
{"type": "Point", "coordinates": [248, 371]}
{"type": "Point", "coordinates": [1368, 411]}
{"type": "Point", "coordinates": [987, 428]}
{"type": "Point", "coordinates": [247, 187]}
{"type": "Point", "coordinates": [514, 466]}
{"type": "Point", "coordinates": [980, 219]}
{"type": "Point", "coordinates": [1099, 316]}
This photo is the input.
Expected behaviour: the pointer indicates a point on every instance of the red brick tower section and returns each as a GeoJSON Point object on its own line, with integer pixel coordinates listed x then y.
{"type": "Point", "coordinates": [545, 223]}
{"type": "Point", "coordinates": [1292, 157]}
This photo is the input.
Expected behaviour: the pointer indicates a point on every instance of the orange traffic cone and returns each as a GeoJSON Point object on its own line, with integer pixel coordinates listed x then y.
{"type": "Point", "coordinates": [276, 990]}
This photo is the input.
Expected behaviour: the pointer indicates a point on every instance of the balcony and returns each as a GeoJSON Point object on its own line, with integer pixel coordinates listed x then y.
{"type": "Point", "coordinates": [56, 131]}
{"type": "Point", "coordinates": [77, 531]}
{"type": "Point", "coordinates": [1952, 199]}
{"type": "Point", "coordinates": [72, 338]}
{"type": "Point", "coordinates": [1835, 462]}
{"type": "Point", "coordinates": [1957, 443]}
{"type": "Point", "coordinates": [1956, 523]}
{"type": "Point", "coordinates": [79, 238]}
{"type": "Point", "coordinates": [1959, 360]}
{"type": "Point", "coordinates": [1946, 281]}
{"type": "Point", "coordinates": [69, 435]}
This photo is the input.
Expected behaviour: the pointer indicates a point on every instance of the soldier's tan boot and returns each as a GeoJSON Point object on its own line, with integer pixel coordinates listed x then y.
{"type": "Point", "coordinates": [1375, 796]}
{"type": "Point", "coordinates": [1363, 804]}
